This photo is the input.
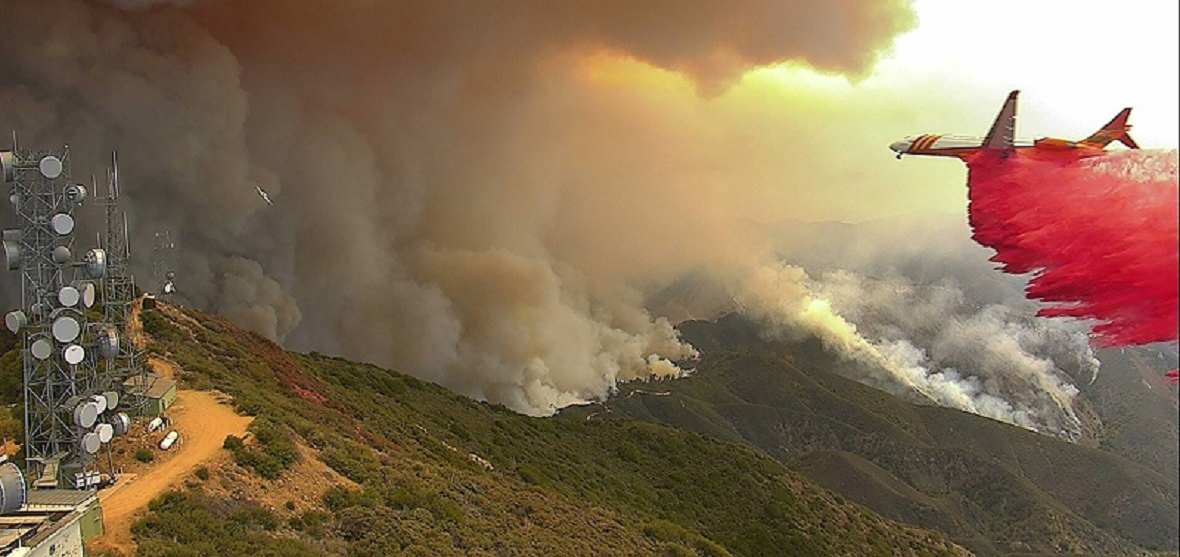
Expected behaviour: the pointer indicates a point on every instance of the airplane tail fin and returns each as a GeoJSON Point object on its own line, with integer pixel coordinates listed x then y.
{"type": "Point", "coordinates": [1001, 135]}
{"type": "Point", "coordinates": [1115, 130]}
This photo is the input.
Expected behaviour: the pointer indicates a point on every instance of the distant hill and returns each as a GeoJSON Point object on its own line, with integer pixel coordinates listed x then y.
{"type": "Point", "coordinates": [995, 488]}
{"type": "Point", "coordinates": [1139, 411]}
{"type": "Point", "coordinates": [440, 474]}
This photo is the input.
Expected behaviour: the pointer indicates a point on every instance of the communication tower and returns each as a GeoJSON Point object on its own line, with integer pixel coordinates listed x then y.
{"type": "Point", "coordinates": [118, 288]}
{"type": "Point", "coordinates": [66, 395]}
{"type": "Point", "coordinates": [164, 265]}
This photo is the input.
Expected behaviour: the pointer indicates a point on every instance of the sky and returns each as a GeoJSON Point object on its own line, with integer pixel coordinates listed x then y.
{"type": "Point", "coordinates": [1076, 63]}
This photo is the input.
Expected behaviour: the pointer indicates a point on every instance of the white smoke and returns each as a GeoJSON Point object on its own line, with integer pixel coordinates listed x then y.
{"type": "Point", "coordinates": [988, 360]}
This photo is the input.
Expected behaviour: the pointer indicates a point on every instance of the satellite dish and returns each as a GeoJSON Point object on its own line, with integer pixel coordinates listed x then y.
{"type": "Point", "coordinates": [89, 293]}
{"type": "Point", "coordinates": [75, 193]}
{"type": "Point", "coordinates": [12, 255]}
{"type": "Point", "coordinates": [85, 415]}
{"type": "Point", "coordinates": [8, 164]}
{"type": "Point", "coordinates": [16, 320]}
{"type": "Point", "coordinates": [100, 402]}
{"type": "Point", "coordinates": [108, 343]}
{"type": "Point", "coordinates": [66, 329]}
{"type": "Point", "coordinates": [61, 255]}
{"type": "Point", "coordinates": [62, 223]}
{"type": "Point", "coordinates": [41, 348]}
{"type": "Point", "coordinates": [91, 443]}
{"type": "Point", "coordinates": [96, 263]}
{"type": "Point", "coordinates": [169, 287]}
{"type": "Point", "coordinates": [50, 167]}
{"type": "Point", "coordinates": [74, 355]}
{"type": "Point", "coordinates": [121, 423]}
{"type": "Point", "coordinates": [69, 296]}
{"type": "Point", "coordinates": [105, 432]}
{"type": "Point", "coordinates": [112, 399]}
{"type": "Point", "coordinates": [12, 487]}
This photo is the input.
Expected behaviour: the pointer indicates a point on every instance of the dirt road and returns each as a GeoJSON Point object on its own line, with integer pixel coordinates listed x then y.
{"type": "Point", "coordinates": [203, 422]}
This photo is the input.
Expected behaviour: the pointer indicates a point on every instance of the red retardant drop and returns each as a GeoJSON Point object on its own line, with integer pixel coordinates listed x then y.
{"type": "Point", "coordinates": [1098, 234]}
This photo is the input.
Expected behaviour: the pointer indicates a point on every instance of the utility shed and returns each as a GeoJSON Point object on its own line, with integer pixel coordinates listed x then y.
{"type": "Point", "coordinates": [152, 393]}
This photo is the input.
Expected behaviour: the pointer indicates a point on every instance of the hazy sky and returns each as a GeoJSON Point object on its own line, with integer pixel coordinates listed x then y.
{"type": "Point", "coordinates": [1077, 64]}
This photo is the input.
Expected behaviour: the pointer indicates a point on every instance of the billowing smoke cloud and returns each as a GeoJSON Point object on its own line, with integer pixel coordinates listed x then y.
{"type": "Point", "coordinates": [1098, 235]}
{"type": "Point", "coordinates": [454, 197]}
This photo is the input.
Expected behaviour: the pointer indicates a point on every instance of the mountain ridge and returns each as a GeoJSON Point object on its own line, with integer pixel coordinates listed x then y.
{"type": "Point", "coordinates": [441, 474]}
{"type": "Point", "coordinates": [781, 396]}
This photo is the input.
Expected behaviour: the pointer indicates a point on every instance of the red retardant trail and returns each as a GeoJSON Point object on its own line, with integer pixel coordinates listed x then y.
{"type": "Point", "coordinates": [1098, 234]}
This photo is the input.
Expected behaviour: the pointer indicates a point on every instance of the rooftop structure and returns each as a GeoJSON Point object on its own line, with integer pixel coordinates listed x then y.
{"type": "Point", "coordinates": [53, 522]}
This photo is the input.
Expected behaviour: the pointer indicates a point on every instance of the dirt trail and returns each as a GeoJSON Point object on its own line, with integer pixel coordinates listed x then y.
{"type": "Point", "coordinates": [203, 421]}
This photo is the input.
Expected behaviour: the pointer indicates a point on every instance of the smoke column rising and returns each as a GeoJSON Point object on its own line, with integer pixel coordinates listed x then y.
{"type": "Point", "coordinates": [470, 194]}
{"type": "Point", "coordinates": [1099, 236]}
{"type": "Point", "coordinates": [455, 197]}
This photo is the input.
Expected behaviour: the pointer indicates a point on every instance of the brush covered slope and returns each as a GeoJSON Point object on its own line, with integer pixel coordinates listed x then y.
{"type": "Point", "coordinates": [432, 473]}
{"type": "Point", "coordinates": [995, 488]}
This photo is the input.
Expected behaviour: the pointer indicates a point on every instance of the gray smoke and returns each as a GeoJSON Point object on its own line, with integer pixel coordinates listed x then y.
{"type": "Point", "coordinates": [925, 313]}
{"type": "Point", "coordinates": [443, 182]}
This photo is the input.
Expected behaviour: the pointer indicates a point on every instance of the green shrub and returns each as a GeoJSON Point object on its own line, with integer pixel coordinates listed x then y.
{"type": "Point", "coordinates": [192, 524]}
{"type": "Point", "coordinates": [144, 455]}
{"type": "Point", "coordinates": [232, 442]}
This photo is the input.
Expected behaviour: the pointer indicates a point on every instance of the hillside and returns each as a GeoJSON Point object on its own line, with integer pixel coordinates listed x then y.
{"type": "Point", "coordinates": [992, 487]}
{"type": "Point", "coordinates": [426, 472]}
{"type": "Point", "coordinates": [1138, 409]}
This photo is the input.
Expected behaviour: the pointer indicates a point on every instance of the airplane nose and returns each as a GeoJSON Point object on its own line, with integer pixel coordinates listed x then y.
{"type": "Point", "coordinates": [899, 146]}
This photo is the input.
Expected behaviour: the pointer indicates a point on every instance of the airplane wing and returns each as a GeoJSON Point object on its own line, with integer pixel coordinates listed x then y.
{"type": "Point", "coordinates": [1003, 129]}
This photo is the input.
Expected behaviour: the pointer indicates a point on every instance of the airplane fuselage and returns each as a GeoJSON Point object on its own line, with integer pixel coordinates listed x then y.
{"type": "Point", "coordinates": [935, 145]}
{"type": "Point", "coordinates": [1001, 139]}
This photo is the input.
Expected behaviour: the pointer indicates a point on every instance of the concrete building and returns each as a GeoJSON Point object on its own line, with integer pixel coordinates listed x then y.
{"type": "Point", "coordinates": [154, 392]}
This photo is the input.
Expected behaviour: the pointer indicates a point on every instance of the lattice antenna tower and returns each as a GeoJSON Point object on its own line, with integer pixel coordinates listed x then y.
{"type": "Point", "coordinates": [164, 265]}
{"type": "Point", "coordinates": [118, 286]}
{"type": "Point", "coordinates": [66, 418]}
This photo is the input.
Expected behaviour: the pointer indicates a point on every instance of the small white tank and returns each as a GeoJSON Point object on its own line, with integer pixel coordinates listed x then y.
{"type": "Point", "coordinates": [156, 423]}
{"type": "Point", "coordinates": [169, 440]}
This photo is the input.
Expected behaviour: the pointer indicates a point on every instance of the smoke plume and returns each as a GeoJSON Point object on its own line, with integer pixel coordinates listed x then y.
{"type": "Point", "coordinates": [1099, 237]}
{"type": "Point", "coordinates": [456, 193]}
{"type": "Point", "coordinates": [932, 341]}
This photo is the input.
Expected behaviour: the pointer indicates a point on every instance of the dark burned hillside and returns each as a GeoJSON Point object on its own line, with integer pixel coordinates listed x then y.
{"type": "Point", "coordinates": [995, 488]}
{"type": "Point", "coordinates": [439, 474]}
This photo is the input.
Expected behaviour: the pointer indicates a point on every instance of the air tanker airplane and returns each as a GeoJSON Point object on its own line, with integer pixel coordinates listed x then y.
{"type": "Point", "coordinates": [1001, 138]}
